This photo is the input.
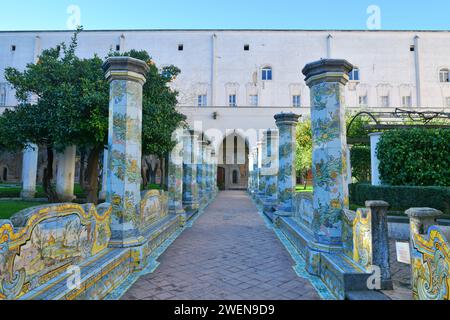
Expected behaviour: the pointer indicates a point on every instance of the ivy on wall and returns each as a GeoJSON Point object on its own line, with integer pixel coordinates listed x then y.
{"type": "Point", "coordinates": [415, 157]}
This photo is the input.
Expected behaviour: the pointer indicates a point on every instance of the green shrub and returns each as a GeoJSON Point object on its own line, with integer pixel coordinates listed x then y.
{"type": "Point", "coordinates": [402, 197]}
{"type": "Point", "coordinates": [360, 160]}
{"type": "Point", "coordinates": [416, 157]}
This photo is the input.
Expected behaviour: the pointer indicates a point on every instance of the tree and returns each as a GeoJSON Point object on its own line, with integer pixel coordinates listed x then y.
{"type": "Point", "coordinates": [303, 160]}
{"type": "Point", "coordinates": [160, 117]}
{"type": "Point", "coordinates": [71, 109]}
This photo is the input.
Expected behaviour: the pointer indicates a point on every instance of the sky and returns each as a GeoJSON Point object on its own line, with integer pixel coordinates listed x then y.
{"type": "Point", "coordinates": [225, 14]}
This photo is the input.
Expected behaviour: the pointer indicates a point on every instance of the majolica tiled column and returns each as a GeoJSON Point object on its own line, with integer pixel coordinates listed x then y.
{"type": "Point", "coordinates": [250, 172]}
{"type": "Point", "coordinates": [255, 172]}
{"type": "Point", "coordinates": [29, 171]}
{"type": "Point", "coordinates": [209, 171]}
{"type": "Point", "coordinates": [176, 175]}
{"type": "Point", "coordinates": [374, 161]}
{"type": "Point", "coordinates": [327, 79]}
{"type": "Point", "coordinates": [204, 183]}
{"type": "Point", "coordinates": [102, 195]}
{"type": "Point", "coordinates": [261, 178]}
{"type": "Point", "coordinates": [126, 77]}
{"type": "Point", "coordinates": [271, 170]}
{"type": "Point", "coordinates": [190, 187]}
{"type": "Point", "coordinates": [214, 162]}
{"type": "Point", "coordinates": [287, 126]}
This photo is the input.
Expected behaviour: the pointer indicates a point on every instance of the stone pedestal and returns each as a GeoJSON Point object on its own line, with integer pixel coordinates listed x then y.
{"type": "Point", "coordinates": [175, 183]}
{"type": "Point", "coordinates": [190, 186]}
{"type": "Point", "coordinates": [126, 77]}
{"type": "Point", "coordinates": [380, 241]}
{"type": "Point", "coordinates": [287, 125]}
{"type": "Point", "coordinates": [29, 171]}
{"type": "Point", "coordinates": [375, 163]}
{"type": "Point", "coordinates": [65, 177]}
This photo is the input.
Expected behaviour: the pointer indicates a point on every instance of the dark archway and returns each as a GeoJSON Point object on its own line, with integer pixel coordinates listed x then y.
{"type": "Point", "coordinates": [233, 163]}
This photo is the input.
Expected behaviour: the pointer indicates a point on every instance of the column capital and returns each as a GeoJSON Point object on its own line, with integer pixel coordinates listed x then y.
{"type": "Point", "coordinates": [327, 70]}
{"type": "Point", "coordinates": [423, 213]}
{"type": "Point", "coordinates": [125, 68]}
{"type": "Point", "coordinates": [286, 119]}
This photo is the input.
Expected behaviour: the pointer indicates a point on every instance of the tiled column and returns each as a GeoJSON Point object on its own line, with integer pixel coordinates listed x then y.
{"type": "Point", "coordinates": [250, 172]}
{"type": "Point", "coordinates": [65, 176]}
{"type": "Point", "coordinates": [204, 182]}
{"type": "Point", "coordinates": [349, 165]}
{"type": "Point", "coordinates": [209, 171]}
{"type": "Point", "coordinates": [126, 76]}
{"type": "Point", "coordinates": [200, 171]}
{"type": "Point", "coordinates": [190, 187]}
{"type": "Point", "coordinates": [261, 180]}
{"type": "Point", "coordinates": [176, 176]}
{"type": "Point", "coordinates": [29, 171]}
{"type": "Point", "coordinates": [214, 161]}
{"type": "Point", "coordinates": [327, 79]}
{"type": "Point", "coordinates": [271, 170]}
{"type": "Point", "coordinates": [287, 182]}
{"type": "Point", "coordinates": [102, 195]}
{"type": "Point", "coordinates": [375, 163]}
{"type": "Point", "coordinates": [255, 172]}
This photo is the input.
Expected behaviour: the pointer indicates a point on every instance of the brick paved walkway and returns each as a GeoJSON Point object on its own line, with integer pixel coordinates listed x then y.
{"type": "Point", "coordinates": [229, 254]}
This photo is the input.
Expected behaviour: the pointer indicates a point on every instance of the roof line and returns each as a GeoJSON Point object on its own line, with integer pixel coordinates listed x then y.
{"type": "Point", "coordinates": [222, 30]}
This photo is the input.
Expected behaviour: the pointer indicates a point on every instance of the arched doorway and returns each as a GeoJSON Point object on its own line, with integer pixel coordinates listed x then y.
{"type": "Point", "coordinates": [232, 173]}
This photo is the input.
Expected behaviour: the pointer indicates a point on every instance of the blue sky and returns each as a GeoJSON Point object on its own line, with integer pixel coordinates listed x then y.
{"type": "Point", "coordinates": [226, 14]}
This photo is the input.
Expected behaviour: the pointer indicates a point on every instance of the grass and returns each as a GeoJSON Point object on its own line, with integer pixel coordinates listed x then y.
{"type": "Point", "coordinates": [13, 191]}
{"type": "Point", "coordinates": [301, 188]}
{"type": "Point", "coordinates": [9, 208]}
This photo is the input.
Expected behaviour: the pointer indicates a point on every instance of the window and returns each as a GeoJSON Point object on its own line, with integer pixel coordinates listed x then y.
{"type": "Point", "coordinates": [296, 101]}
{"type": "Point", "coordinates": [385, 101]}
{"type": "Point", "coordinates": [363, 101]}
{"type": "Point", "coordinates": [444, 75]}
{"type": "Point", "coordinates": [232, 100]}
{"type": "Point", "coordinates": [235, 177]}
{"type": "Point", "coordinates": [180, 47]}
{"type": "Point", "coordinates": [202, 100]}
{"type": "Point", "coordinates": [354, 74]}
{"type": "Point", "coordinates": [267, 74]}
{"type": "Point", "coordinates": [13, 47]}
{"type": "Point", "coordinates": [246, 47]}
{"type": "Point", "coordinates": [118, 47]}
{"type": "Point", "coordinates": [2, 95]}
{"type": "Point", "coordinates": [406, 101]}
{"type": "Point", "coordinates": [412, 48]}
{"type": "Point", "coordinates": [254, 100]}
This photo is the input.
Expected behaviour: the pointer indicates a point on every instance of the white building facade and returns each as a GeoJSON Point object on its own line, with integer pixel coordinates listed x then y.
{"type": "Point", "coordinates": [234, 81]}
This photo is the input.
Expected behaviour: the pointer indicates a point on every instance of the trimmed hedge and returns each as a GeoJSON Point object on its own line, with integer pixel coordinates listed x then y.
{"type": "Point", "coordinates": [360, 160]}
{"type": "Point", "coordinates": [415, 157]}
{"type": "Point", "coordinates": [402, 197]}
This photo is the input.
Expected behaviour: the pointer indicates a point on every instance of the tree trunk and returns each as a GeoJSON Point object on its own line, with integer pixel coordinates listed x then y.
{"type": "Point", "coordinates": [144, 174]}
{"type": "Point", "coordinates": [82, 163]}
{"type": "Point", "coordinates": [92, 175]}
{"type": "Point", "coordinates": [48, 177]}
{"type": "Point", "coordinates": [162, 163]}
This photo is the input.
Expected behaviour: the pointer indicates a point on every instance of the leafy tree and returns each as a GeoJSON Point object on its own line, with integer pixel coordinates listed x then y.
{"type": "Point", "coordinates": [303, 160]}
{"type": "Point", "coordinates": [71, 108]}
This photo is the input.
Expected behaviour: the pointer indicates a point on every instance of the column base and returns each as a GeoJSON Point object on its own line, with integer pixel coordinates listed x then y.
{"type": "Point", "coordinates": [27, 194]}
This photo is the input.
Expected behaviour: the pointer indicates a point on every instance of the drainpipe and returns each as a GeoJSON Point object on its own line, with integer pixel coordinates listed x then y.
{"type": "Point", "coordinates": [417, 66]}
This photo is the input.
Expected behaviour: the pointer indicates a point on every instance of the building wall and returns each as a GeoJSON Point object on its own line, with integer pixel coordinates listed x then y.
{"type": "Point", "coordinates": [214, 63]}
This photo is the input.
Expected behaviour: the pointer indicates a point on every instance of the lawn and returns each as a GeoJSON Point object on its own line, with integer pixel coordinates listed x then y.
{"type": "Point", "coordinates": [9, 208]}
{"type": "Point", "coordinates": [301, 188]}
{"type": "Point", "coordinates": [13, 191]}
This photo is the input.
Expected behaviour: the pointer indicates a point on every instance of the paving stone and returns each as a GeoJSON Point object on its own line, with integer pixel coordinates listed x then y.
{"type": "Point", "coordinates": [228, 254]}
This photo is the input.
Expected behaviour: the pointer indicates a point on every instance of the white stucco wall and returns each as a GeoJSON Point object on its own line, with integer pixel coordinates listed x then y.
{"type": "Point", "coordinates": [214, 63]}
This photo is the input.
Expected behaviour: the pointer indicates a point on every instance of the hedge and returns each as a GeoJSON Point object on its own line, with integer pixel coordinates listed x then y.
{"type": "Point", "coordinates": [360, 160]}
{"type": "Point", "coordinates": [415, 157]}
{"type": "Point", "coordinates": [402, 197]}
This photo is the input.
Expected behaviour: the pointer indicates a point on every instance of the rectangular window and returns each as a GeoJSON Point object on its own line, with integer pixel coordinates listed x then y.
{"type": "Point", "coordinates": [296, 101]}
{"type": "Point", "coordinates": [363, 101]}
{"type": "Point", "coordinates": [385, 102]}
{"type": "Point", "coordinates": [254, 100]}
{"type": "Point", "coordinates": [232, 100]}
{"type": "Point", "coordinates": [180, 47]}
{"type": "Point", "coordinates": [406, 101]}
{"type": "Point", "coordinates": [354, 75]}
{"type": "Point", "coordinates": [267, 74]}
{"type": "Point", "coordinates": [202, 100]}
{"type": "Point", "coordinates": [247, 47]}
